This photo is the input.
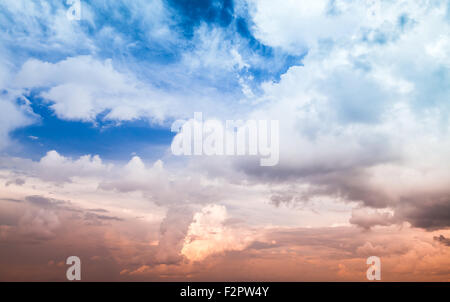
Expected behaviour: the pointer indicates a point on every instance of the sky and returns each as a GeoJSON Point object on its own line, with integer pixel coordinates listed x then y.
{"type": "Point", "coordinates": [361, 92]}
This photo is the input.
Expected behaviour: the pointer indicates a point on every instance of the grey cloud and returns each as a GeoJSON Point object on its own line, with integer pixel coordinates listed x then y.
{"type": "Point", "coordinates": [427, 211]}
{"type": "Point", "coordinates": [344, 240]}
{"type": "Point", "coordinates": [11, 199]}
{"type": "Point", "coordinates": [17, 181]}
{"type": "Point", "coordinates": [95, 219]}
{"type": "Point", "coordinates": [233, 221]}
{"type": "Point", "coordinates": [173, 230]}
{"type": "Point", "coordinates": [422, 208]}
{"type": "Point", "coordinates": [44, 201]}
{"type": "Point", "coordinates": [367, 220]}
{"type": "Point", "coordinates": [91, 217]}
{"type": "Point", "coordinates": [442, 239]}
{"type": "Point", "coordinates": [260, 245]}
{"type": "Point", "coordinates": [98, 210]}
{"type": "Point", "coordinates": [281, 198]}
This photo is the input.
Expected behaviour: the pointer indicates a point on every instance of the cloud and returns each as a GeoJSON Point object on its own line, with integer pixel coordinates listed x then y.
{"type": "Point", "coordinates": [55, 167]}
{"type": "Point", "coordinates": [12, 116]}
{"type": "Point", "coordinates": [428, 211]}
{"type": "Point", "coordinates": [39, 218]}
{"type": "Point", "coordinates": [17, 182]}
{"type": "Point", "coordinates": [173, 230]}
{"type": "Point", "coordinates": [442, 239]}
{"type": "Point", "coordinates": [194, 244]}
{"type": "Point", "coordinates": [81, 88]}
{"type": "Point", "coordinates": [364, 118]}
{"type": "Point", "coordinates": [364, 137]}
{"type": "Point", "coordinates": [163, 186]}
{"type": "Point", "coordinates": [39, 224]}
{"type": "Point", "coordinates": [296, 25]}
{"type": "Point", "coordinates": [41, 26]}
{"type": "Point", "coordinates": [368, 250]}
{"type": "Point", "coordinates": [208, 234]}
{"type": "Point", "coordinates": [44, 202]}
{"type": "Point", "coordinates": [366, 219]}
{"type": "Point", "coordinates": [96, 219]}
{"type": "Point", "coordinates": [95, 66]}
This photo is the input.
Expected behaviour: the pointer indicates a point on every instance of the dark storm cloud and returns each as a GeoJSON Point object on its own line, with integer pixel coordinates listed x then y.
{"type": "Point", "coordinates": [349, 185]}
{"type": "Point", "coordinates": [423, 208]}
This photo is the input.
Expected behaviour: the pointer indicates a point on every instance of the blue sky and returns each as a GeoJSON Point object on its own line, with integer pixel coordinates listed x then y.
{"type": "Point", "coordinates": [116, 31]}
{"type": "Point", "coordinates": [74, 139]}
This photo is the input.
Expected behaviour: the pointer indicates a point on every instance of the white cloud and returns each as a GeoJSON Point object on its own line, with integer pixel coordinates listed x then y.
{"type": "Point", "coordinates": [356, 102]}
{"type": "Point", "coordinates": [42, 25]}
{"type": "Point", "coordinates": [440, 49]}
{"type": "Point", "coordinates": [208, 234]}
{"type": "Point", "coordinates": [57, 168]}
{"type": "Point", "coordinates": [213, 50]}
{"type": "Point", "coordinates": [297, 25]}
{"type": "Point", "coordinates": [81, 87]}
{"type": "Point", "coordinates": [162, 186]}
{"type": "Point", "coordinates": [12, 116]}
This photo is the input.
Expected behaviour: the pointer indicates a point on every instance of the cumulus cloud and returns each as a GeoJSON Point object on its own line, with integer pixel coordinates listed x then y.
{"type": "Point", "coordinates": [80, 88]}
{"type": "Point", "coordinates": [173, 230]}
{"type": "Point", "coordinates": [39, 224]}
{"type": "Point", "coordinates": [41, 218]}
{"type": "Point", "coordinates": [208, 234]}
{"type": "Point", "coordinates": [364, 118]}
{"type": "Point", "coordinates": [297, 25]}
{"type": "Point", "coordinates": [165, 186]}
{"type": "Point", "coordinates": [58, 168]}
{"type": "Point", "coordinates": [367, 219]}
{"type": "Point", "coordinates": [429, 211]}
{"type": "Point", "coordinates": [79, 77]}
{"type": "Point", "coordinates": [36, 220]}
